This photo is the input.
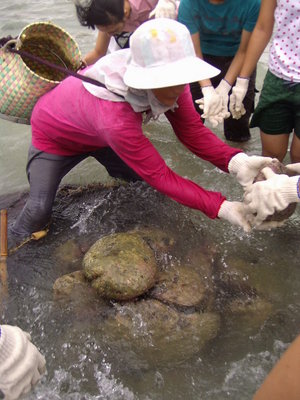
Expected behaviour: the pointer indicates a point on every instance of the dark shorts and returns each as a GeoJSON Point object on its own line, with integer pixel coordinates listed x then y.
{"type": "Point", "coordinates": [278, 109]}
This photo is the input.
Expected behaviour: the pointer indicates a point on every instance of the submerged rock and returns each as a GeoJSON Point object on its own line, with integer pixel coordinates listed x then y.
{"type": "Point", "coordinates": [181, 286]}
{"type": "Point", "coordinates": [278, 168]}
{"type": "Point", "coordinates": [161, 334]}
{"type": "Point", "coordinates": [120, 266]}
{"type": "Point", "coordinates": [72, 285]}
{"type": "Point", "coordinates": [248, 313]}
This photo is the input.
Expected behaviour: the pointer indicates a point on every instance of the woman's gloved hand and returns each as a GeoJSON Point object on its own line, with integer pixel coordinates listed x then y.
{"type": "Point", "coordinates": [235, 212]}
{"type": "Point", "coordinates": [237, 96]}
{"type": "Point", "coordinates": [294, 168]}
{"type": "Point", "coordinates": [223, 89]}
{"type": "Point", "coordinates": [215, 103]}
{"type": "Point", "coordinates": [164, 9]}
{"type": "Point", "coordinates": [245, 168]}
{"type": "Point", "coordinates": [21, 364]}
{"type": "Point", "coordinates": [211, 104]}
{"type": "Point", "coordinates": [274, 194]}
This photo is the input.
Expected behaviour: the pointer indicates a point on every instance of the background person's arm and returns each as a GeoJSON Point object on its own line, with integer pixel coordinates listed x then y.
{"type": "Point", "coordinates": [238, 60]}
{"type": "Point", "coordinates": [197, 46]}
{"type": "Point", "coordinates": [260, 37]}
{"type": "Point", "coordinates": [99, 50]}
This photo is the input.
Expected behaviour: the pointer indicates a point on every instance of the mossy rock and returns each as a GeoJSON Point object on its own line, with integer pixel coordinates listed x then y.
{"type": "Point", "coordinates": [238, 275]}
{"type": "Point", "coordinates": [248, 313]}
{"type": "Point", "coordinates": [72, 285]}
{"type": "Point", "coordinates": [69, 253]}
{"type": "Point", "coordinates": [181, 286]}
{"type": "Point", "coordinates": [120, 266]}
{"type": "Point", "coordinates": [161, 334]}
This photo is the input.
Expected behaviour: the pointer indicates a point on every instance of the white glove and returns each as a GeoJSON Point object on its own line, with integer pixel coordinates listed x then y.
{"type": "Point", "coordinates": [223, 90]}
{"type": "Point", "coordinates": [211, 104]}
{"type": "Point", "coordinates": [245, 168]}
{"type": "Point", "coordinates": [21, 364]}
{"type": "Point", "coordinates": [235, 213]}
{"type": "Point", "coordinates": [164, 9]}
{"type": "Point", "coordinates": [294, 167]}
{"type": "Point", "coordinates": [237, 96]}
{"type": "Point", "coordinates": [215, 103]}
{"type": "Point", "coordinates": [273, 194]}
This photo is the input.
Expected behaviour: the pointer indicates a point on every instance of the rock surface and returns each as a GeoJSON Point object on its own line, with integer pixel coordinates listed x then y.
{"type": "Point", "coordinates": [120, 266]}
{"type": "Point", "coordinates": [162, 334]}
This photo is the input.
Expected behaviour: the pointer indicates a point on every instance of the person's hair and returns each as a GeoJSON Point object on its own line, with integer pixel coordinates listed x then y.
{"type": "Point", "coordinates": [99, 12]}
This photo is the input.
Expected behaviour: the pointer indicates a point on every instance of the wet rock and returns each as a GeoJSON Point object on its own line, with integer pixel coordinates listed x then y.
{"type": "Point", "coordinates": [157, 239]}
{"type": "Point", "coordinates": [72, 285]}
{"type": "Point", "coordinates": [201, 259]}
{"type": "Point", "coordinates": [248, 313]}
{"type": "Point", "coordinates": [120, 266]}
{"type": "Point", "coordinates": [238, 275]}
{"type": "Point", "coordinates": [161, 334]}
{"type": "Point", "coordinates": [278, 168]}
{"type": "Point", "coordinates": [69, 253]}
{"type": "Point", "coordinates": [181, 286]}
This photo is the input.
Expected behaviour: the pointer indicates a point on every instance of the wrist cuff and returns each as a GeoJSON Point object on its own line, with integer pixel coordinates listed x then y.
{"type": "Point", "coordinates": [7, 342]}
{"type": "Point", "coordinates": [227, 84]}
{"type": "Point", "coordinates": [236, 162]}
{"type": "Point", "coordinates": [291, 191]}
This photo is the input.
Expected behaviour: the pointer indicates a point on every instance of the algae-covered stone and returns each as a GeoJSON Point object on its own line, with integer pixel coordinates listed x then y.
{"type": "Point", "coordinates": [72, 285]}
{"type": "Point", "coordinates": [240, 275]}
{"type": "Point", "coordinates": [157, 239]}
{"type": "Point", "coordinates": [161, 334]}
{"type": "Point", "coordinates": [69, 253]}
{"type": "Point", "coordinates": [248, 313]}
{"type": "Point", "coordinates": [181, 286]}
{"type": "Point", "coordinates": [120, 266]}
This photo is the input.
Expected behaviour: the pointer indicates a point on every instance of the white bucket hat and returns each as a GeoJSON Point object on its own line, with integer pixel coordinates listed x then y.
{"type": "Point", "coordinates": [163, 55]}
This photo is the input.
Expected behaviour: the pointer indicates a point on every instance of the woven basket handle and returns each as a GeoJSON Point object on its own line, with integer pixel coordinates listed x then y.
{"type": "Point", "coordinates": [8, 47]}
{"type": "Point", "coordinates": [9, 43]}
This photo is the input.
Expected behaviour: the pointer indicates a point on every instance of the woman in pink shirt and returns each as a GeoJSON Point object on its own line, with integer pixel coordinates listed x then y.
{"type": "Point", "coordinates": [117, 19]}
{"type": "Point", "coordinates": [76, 120]}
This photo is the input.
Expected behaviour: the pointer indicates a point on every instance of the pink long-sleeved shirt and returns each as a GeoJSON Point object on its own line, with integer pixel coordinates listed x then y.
{"type": "Point", "coordinates": [69, 120]}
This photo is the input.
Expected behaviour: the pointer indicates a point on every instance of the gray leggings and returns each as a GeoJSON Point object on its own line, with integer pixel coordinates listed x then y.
{"type": "Point", "coordinates": [45, 172]}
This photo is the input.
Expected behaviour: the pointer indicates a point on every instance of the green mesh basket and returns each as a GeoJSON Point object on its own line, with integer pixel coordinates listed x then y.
{"type": "Point", "coordinates": [23, 80]}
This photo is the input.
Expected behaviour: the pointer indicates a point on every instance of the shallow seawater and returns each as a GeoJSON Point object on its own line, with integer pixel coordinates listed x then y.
{"type": "Point", "coordinates": [84, 361]}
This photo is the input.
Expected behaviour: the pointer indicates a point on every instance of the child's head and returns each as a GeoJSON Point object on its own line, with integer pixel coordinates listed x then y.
{"type": "Point", "coordinates": [93, 13]}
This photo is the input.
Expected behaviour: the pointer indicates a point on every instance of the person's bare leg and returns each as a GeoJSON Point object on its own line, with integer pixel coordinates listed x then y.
{"type": "Point", "coordinates": [275, 146]}
{"type": "Point", "coordinates": [295, 150]}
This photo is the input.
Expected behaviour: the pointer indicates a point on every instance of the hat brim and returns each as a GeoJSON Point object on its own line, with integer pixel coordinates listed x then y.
{"type": "Point", "coordinates": [186, 70]}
